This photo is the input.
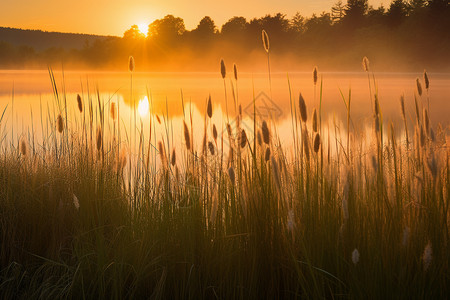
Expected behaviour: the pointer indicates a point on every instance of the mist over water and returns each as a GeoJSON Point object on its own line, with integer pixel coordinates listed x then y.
{"type": "Point", "coordinates": [29, 93]}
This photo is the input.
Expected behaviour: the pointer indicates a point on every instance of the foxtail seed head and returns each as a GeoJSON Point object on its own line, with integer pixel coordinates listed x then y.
{"type": "Point", "coordinates": [223, 70]}
{"type": "Point", "coordinates": [317, 143]}
{"type": "Point", "coordinates": [315, 75]}
{"type": "Point", "coordinates": [80, 104]}
{"type": "Point", "coordinates": [365, 63]}
{"type": "Point", "coordinates": [265, 133]}
{"type": "Point", "coordinates": [265, 39]}
{"type": "Point", "coordinates": [112, 111]}
{"type": "Point", "coordinates": [99, 138]}
{"type": "Point", "coordinates": [243, 140]}
{"type": "Point", "coordinates": [60, 123]}
{"type": "Point", "coordinates": [419, 86]}
{"type": "Point", "coordinates": [426, 80]}
{"type": "Point", "coordinates": [314, 121]}
{"type": "Point", "coordinates": [187, 138]}
{"type": "Point", "coordinates": [131, 64]}
{"type": "Point", "coordinates": [209, 108]}
{"type": "Point", "coordinates": [302, 107]}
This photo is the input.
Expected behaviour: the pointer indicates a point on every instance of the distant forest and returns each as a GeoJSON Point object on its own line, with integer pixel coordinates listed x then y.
{"type": "Point", "coordinates": [406, 35]}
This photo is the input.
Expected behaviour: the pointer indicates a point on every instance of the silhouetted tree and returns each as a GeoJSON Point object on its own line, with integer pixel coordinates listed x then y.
{"type": "Point", "coordinates": [235, 25]}
{"type": "Point", "coordinates": [297, 24]}
{"type": "Point", "coordinates": [206, 27]}
{"type": "Point", "coordinates": [396, 13]}
{"type": "Point", "coordinates": [169, 28]}
{"type": "Point", "coordinates": [317, 24]}
{"type": "Point", "coordinates": [437, 6]}
{"type": "Point", "coordinates": [133, 33]}
{"type": "Point", "coordinates": [202, 36]}
{"type": "Point", "coordinates": [337, 12]}
{"type": "Point", "coordinates": [354, 13]}
{"type": "Point", "coordinates": [376, 16]}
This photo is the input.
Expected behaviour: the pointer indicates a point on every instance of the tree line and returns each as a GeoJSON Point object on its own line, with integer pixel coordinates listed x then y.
{"type": "Point", "coordinates": [414, 33]}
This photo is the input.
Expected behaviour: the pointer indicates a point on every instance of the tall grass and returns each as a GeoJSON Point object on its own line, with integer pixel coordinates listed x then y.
{"type": "Point", "coordinates": [371, 221]}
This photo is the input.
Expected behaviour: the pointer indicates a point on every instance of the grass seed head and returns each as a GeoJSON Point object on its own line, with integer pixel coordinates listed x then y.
{"type": "Point", "coordinates": [231, 175]}
{"type": "Point", "coordinates": [426, 80]}
{"type": "Point", "coordinates": [243, 139]}
{"type": "Point", "coordinates": [265, 133]}
{"type": "Point", "coordinates": [173, 158]}
{"type": "Point", "coordinates": [235, 72]}
{"type": "Point", "coordinates": [365, 63]}
{"type": "Point", "coordinates": [161, 152]}
{"type": "Point", "coordinates": [80, 103]}
{"type": "Point", "coordinates": [315, 75]}
{"type": "Point", "coordinates": [229, 131]}
{"type": "Point", "coordinates": [302, 107]}
{"type": "Point", "coordinates": [23, 146]}
{"type": "Point", "coordinates": [402, 106]}
{"type": "Point", "coordinates": [259, 138]}
{"type": "Point", "coordinates": [314, 121]}
{"type": "Point", "coordinates": [265, 39]}
{"type": "Point", "coordinates": [267, 155]}
{"type": "Point", "coordinates": [211, 148]}
{"type": "Point", "coordinates": [223, 70]}
{"type": "Point", "coordinates": [209, 107]}
{"type": "Point", "coordinates": [99, 138]}
{"type": "Point", "coordinates": [187, 138]}
{"type": "Point", "coordinates": [214, 132]}
{"type": "Point", "coordinates": [419, 86]}
{"type": "Point", "coordinates": [131, 64]}
{"type": "Point", "coordinates": [112, 111]}
{"type": "Point", "coordinates": [60, 123]}
{"type": "Point", "coordinates": [317, 142]}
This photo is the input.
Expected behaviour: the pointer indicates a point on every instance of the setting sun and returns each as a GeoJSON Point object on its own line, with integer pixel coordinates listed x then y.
{"type": "Point", "coordinates": [143, 28]}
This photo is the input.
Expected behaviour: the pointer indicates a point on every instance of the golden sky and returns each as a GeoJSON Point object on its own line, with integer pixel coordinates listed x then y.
{"type": "Point", "coordinates": [113, 17]}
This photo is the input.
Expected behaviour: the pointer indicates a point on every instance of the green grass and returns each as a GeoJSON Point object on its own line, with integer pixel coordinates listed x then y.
{"type": "Point", "coordinates": [285, 228]}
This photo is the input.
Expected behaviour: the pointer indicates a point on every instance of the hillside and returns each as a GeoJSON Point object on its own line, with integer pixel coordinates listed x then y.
{"type": "Point", "coordinates": [42, 40]}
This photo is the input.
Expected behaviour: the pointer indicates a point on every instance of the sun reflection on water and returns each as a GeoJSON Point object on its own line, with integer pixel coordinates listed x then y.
{"type": "Point", "coordinates": [143, 107]}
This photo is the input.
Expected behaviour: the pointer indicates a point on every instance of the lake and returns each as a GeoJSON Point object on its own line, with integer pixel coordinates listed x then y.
{"type": "Point", "coordinates": [28, 94]}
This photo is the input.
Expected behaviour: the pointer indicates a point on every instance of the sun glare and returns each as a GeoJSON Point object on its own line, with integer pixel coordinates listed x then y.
{"type": "Point", "coordinates": [143, 107]}
{"type": "Point", "coordinates": [143, 28]}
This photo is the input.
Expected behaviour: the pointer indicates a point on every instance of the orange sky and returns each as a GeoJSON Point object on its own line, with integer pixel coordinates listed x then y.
{"type": "Point", "coordinates": [114, 17]}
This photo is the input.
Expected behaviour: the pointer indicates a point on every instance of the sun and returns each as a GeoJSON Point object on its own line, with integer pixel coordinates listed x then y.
{"type": "Point", "coordinates": [143, 107]}
{"type": "Point", "coordinates": [143, 28]}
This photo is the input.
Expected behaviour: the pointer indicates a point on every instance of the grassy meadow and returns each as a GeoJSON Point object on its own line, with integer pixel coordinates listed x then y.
{"type": "Point", "coordinates": [95, 210]}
